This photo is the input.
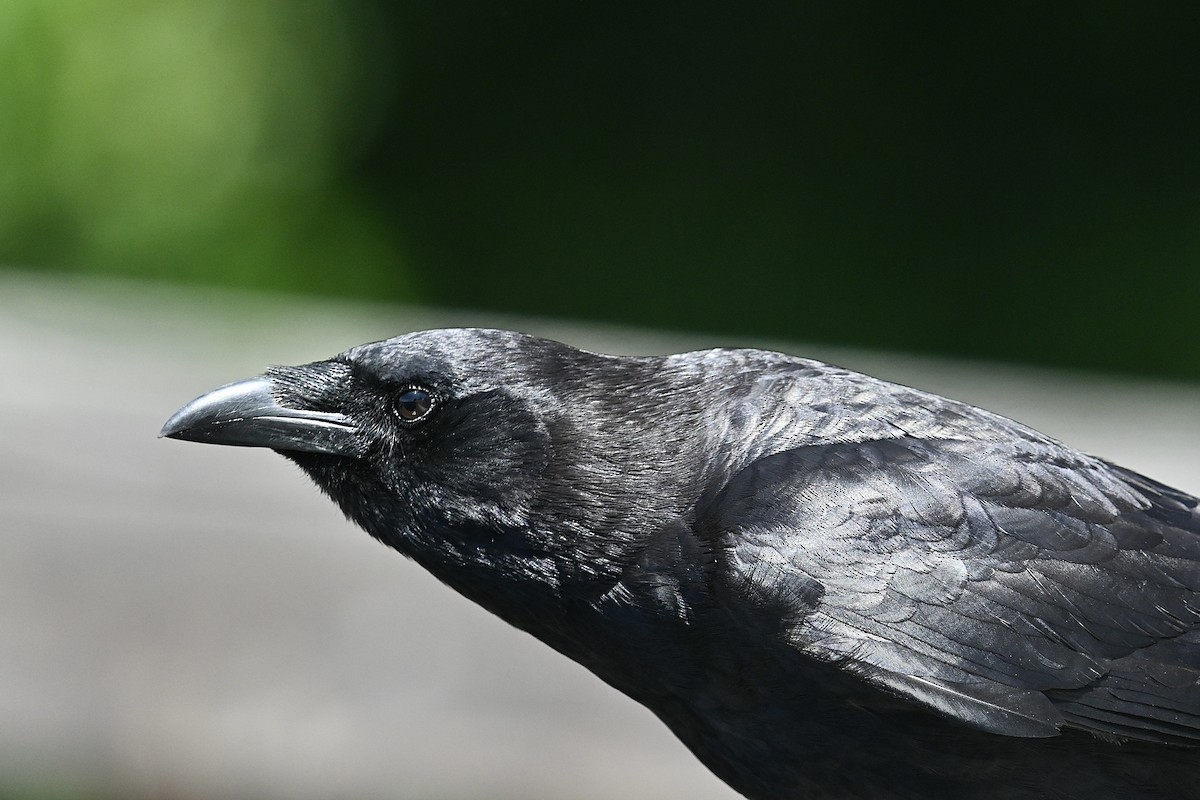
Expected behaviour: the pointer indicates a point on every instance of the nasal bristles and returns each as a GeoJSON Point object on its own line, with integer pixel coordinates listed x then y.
{"type": "Point", "coordinates": [313, 386]}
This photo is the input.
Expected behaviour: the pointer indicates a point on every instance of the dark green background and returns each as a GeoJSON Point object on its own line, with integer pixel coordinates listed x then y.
{"type": "Point", "coordinates": [1014, 181]}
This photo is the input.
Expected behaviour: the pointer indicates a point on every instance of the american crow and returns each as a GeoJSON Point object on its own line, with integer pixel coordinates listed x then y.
{"type": "Point", "coordinates": [827, 585]}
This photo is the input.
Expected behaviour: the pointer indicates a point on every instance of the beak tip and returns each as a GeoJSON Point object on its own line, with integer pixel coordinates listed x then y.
{"type": "Point", "coordinates": [179, 423]}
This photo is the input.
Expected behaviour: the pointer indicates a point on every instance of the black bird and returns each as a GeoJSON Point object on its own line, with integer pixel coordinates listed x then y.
{"type": "Point", "coordinates": [828, 586]}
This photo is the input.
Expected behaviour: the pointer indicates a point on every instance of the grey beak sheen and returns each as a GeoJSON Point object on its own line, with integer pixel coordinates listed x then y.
{"type": "Point", "coordinates": [246, 414]}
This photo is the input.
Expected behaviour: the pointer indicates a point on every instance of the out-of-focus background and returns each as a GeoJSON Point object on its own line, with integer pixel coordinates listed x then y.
{"type": "Point", "coordinates": [190, 190]}
{"type": "Point", "coordinates": [1015, 181]}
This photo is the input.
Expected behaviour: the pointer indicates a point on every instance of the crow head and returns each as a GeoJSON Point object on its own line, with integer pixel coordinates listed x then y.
{"type": "Point", "coordinates": [518, 470]}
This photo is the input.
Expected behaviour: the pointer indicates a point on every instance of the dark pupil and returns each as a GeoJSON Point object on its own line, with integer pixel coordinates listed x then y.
{"type": "Point", "coordinates": [412, 404]}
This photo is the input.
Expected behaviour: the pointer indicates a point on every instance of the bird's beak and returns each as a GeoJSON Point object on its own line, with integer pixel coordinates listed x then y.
{"type": "Point", "coordinates": [247, 414]}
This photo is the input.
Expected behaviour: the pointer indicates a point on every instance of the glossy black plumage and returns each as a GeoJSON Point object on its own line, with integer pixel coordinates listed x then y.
{"type": "Point", "coordinates": [825, 584]}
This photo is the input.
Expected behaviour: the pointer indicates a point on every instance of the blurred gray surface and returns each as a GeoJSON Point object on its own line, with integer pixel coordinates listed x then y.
{"type": "Point", "coordinates": [178, 620]}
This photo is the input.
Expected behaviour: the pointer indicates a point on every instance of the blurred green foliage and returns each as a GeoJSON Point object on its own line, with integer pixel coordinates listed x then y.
{"type": "Point", "coordinates": [1014, 181]}
{"type": "Point", "coordinates": [195, 140]}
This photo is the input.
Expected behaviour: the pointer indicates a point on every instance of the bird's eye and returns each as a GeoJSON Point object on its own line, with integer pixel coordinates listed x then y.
{"type": "Point", "coordinates": [413, 404]}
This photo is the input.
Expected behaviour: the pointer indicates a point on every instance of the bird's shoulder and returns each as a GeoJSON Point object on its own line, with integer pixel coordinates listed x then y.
{"type": "Point", "coordinates": [965, 562]}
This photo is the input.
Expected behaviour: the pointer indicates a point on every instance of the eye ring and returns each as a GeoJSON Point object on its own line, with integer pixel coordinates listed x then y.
{"type": "Point", "coordinates": [413, 404]}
